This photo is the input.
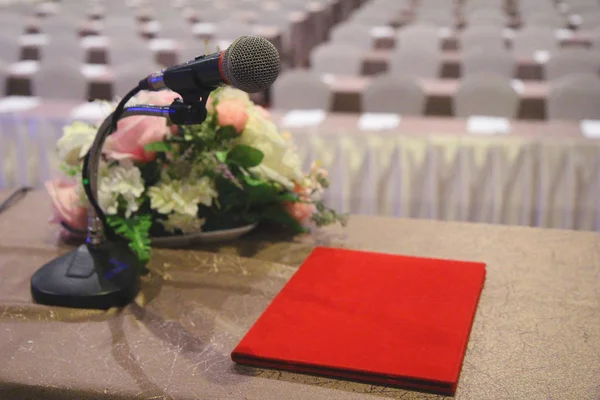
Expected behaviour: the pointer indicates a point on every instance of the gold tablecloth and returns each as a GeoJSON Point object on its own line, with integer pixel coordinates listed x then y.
{"type": "Point", "coordinates": [535, 336]}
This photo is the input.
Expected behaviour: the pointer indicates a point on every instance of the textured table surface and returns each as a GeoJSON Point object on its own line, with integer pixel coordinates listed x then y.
{"type": "Point", "coordinates": [536, 334]}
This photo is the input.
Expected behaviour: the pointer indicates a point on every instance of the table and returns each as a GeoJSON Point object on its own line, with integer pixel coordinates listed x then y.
{"type": "Point", "coordinates": [348, 89]}
{"type": "Point", "coordinates": [377, 61]}
{"type": "Point", "coordinates": [535, 335]}
{"type": "Point", "coordinates": [544, 174]}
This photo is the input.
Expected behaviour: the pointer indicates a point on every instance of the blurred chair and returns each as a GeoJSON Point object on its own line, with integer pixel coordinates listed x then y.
{"type": "Point", "coordinates": [595, 39]}
{"type": "Point", "coordinates": [483, 17]}
{"type": "Point", "coordinates": [3, 77]}
{"type": "Point", "coordinates": [482, 61]}
{"type": "Point", "coordinates": [301, 89]}
{"type": "Point", "coordinates": [574, 97]}
{"type": "Point", "coordinates": [394, 94]}
{"type": "Point", "coordinates": [531, 39]}
{"type": "Point", "coordinates": [130, 50]}
{"type": "Point", "coordinates": [12, 25]}
{"type": "Point", "coordinates": [590, 21]}
{"type": "Point", "coordinates": [482, 37]}
{"type": "Point", "coordinates": [230, 30]}
{"type": "Point", "coordinates": [336, 59]}
{"type": "Point", "coordinates": [62, 80]}
{"type": "Point", "coordinates": [11, 50]}
{"type": "Point", "coordinates": [420, 36]}
{"type": "Point", "coordinates": [63, 45]}
{"type": "Point", "coordinates": [549, 20]}
{"type": "Point", "coordinates": [487, 95]}
{"type": "Point", "coordinates": [570, 61]}
{"type": "Point", "coordinates": [119, 27]}
{"type": "Point", "coordinates": [377, 18]}
{"type": "Point", "coordinates": [352, 34]}
{"type": "Point", "coordinates": [215, 14]}
{"type": "Point", "coordinates": [414, 62]}
{"type": "Point", "coordinates": [60, 24]}
{"type": "Point", "coordinates": [441, 19]}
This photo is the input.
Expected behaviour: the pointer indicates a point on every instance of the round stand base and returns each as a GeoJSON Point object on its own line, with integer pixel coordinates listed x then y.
{"type": "Point", "coordinates": [98, 277]}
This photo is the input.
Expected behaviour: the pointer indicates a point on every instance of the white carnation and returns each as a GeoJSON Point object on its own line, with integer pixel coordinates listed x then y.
{"type": "Point", "coordinates": [121, 180]}
{"type": "Point", "coordinates": [182, 197]}
{"type": "Point", "coordinates": [75, 142]}
{"type": "Point", "coordinates": [184, 223]}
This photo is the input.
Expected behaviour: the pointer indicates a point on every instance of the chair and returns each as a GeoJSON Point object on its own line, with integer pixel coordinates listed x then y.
{"type": "Point", "coordinates": [3, 76]}
{"type": "Point", "coordinates": [300, 89]}
{"type": "Point", "coordinates": [336, 59]}
{"type": "Point", "coordinates": [394, 94]}
{"type": "Point", "coordinates": [232, 30]}
{"type": "Point", "coordinates": [490, 38]}
{"type": "Point", "coordinates": [118, 27]}
{"type": "Point", "coordinates": [130, 50]}
{"type": "Point", "coordinates": [11, 50]}
{"type": "Point", "coordinates": [414, 62]}
{"type": "Point", "coordinates": [482, 61]}
{"type": "Point", "coordinates": [63, 45]}
{"type": "Point", "coordinates": [370, 18]}
{"type": "Point", "coordinates": [353, 34]}
{"type": "Point", "coordinates": [441, 19]}
{"type": "Point", "coordinates": [574, 97]}
{"type": "Point", "coordinates": [62, 80]}
{"type": "Point", "coordinates": [544, 19]}
{"type": "Point", "coordinates": [488, 95]}
{"type": "Point", "coordinates": [569, 61]}
{"type": "Point", "coordinates": [486, 17]}
{"type": "Point", "coordinates": [590, 21]}
{"type": "Point", "coordinates": [419, 37]}
{"type": "Point", "coordinates": [531, 39]}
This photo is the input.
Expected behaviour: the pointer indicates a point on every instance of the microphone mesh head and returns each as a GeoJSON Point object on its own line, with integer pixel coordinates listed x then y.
{"type": "Point", "coordinates": [251, 64]}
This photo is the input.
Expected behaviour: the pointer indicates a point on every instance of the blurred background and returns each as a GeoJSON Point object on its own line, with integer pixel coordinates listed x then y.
{"type": "Point", "coordinates": [470, 110]}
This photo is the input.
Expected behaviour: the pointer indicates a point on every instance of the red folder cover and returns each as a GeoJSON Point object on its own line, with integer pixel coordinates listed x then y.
{"type": "Point", "coordinates": [371, 317]}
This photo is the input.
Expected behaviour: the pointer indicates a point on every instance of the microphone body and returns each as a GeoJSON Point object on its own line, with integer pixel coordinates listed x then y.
{"type": "Point", "coordinates": [203, 72]}
{"type": "Point", "coordinates": [250, 64]}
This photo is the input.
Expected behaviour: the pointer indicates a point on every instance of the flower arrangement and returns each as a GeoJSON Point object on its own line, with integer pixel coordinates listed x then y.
{"type": "Point", "coordinates": [233, 170]}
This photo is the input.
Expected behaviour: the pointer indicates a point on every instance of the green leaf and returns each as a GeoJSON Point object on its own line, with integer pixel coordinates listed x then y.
{"type": "Point", "coordinates": [162, 147]}
{"type": "Point", "coordinates": [137, 231]}
{"type": "Point", "coordinates": [227, 132]}
{"type": "Point", "coordinates": [277, 214]}
{"type": "Point", "coordinates": [288, 196]}
{"type": "Point", "coordinates": [221, 156]}
{"type": "Point", "coordinates": [245, 156]}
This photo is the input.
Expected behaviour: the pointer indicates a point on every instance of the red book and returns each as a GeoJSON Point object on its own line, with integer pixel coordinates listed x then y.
{"type": "Point", "coordinates": [371, 317]}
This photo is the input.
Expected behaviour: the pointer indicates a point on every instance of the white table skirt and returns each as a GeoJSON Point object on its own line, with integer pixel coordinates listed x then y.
{"type": "Point", "coordinates": [551, 183]}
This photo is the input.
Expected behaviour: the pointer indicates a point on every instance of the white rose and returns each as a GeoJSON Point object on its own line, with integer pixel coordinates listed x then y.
{"type": "Point", "coordinates": [75, 142]}
{"type": "Point", "coordinates": [279, 155]}
{"type": "Point", "coordinates": [229, 93]}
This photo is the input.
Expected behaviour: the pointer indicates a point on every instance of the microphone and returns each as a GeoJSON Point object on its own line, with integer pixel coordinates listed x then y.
{"type": "Point", "coordinates": [250, 64]}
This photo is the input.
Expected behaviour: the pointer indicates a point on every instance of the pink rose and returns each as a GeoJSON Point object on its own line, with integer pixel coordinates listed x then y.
{"type": "Point", "coordinates": [160, 98]}
{"type": "Point", "coordinates": [301, 211]}
{"type": "Point", "coordinates": [133, 133]}
{"type": "Point", "coordinates": [232, 112]}
{"type": "Point", "coordinates": [66, 205]}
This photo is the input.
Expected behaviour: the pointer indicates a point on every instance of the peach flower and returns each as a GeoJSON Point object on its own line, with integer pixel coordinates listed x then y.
{"type": "Point", "coordinates": [133, 133]}
{"type": "Point", "coordinates": [232, 112]}
{"type": "Point", "coordinates": [299, 210]}
{"type": "Point", "coordinates": [263, 112]}
{"type": "Point", "coordinates": [66, 205]}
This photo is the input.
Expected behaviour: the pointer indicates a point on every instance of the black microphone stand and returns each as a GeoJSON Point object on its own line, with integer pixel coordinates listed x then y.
{"type": "Point", "coordinates": [104, 272]}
